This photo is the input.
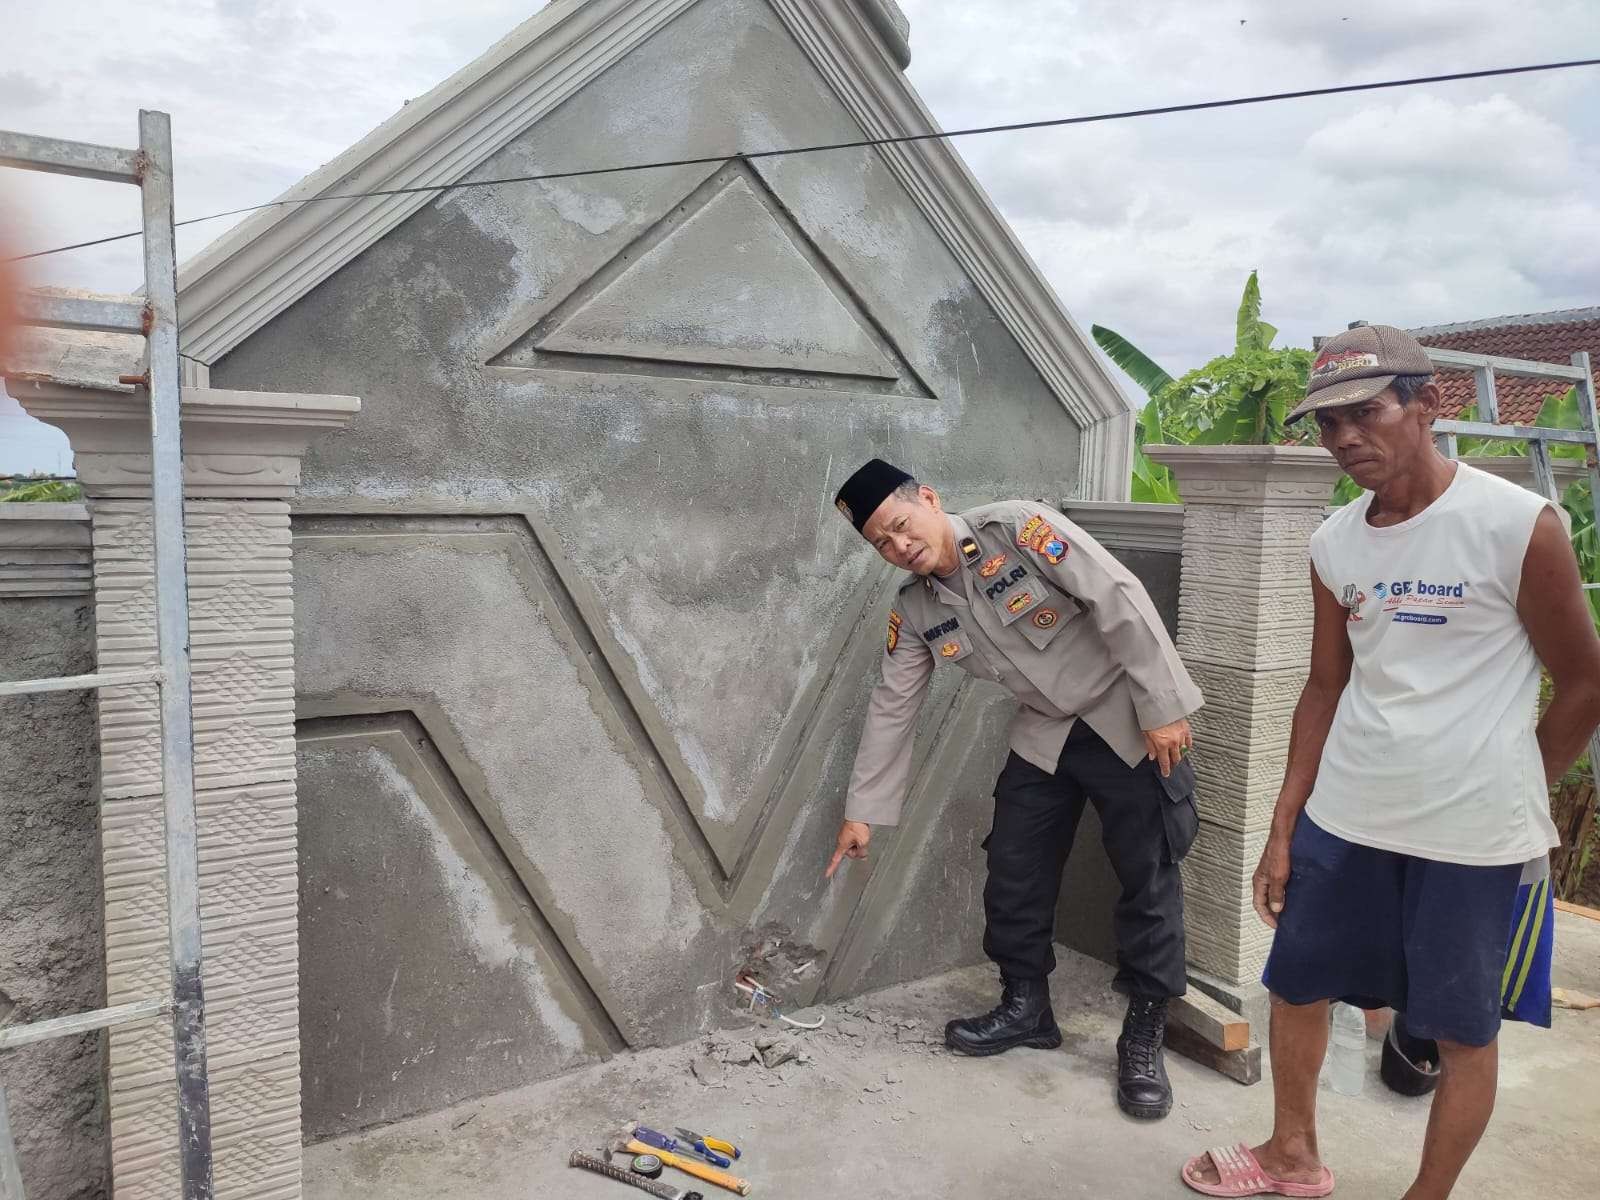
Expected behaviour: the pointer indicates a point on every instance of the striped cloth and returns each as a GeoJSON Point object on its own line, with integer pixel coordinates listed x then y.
{"type": "Point", "coordinates": [1525, 988]}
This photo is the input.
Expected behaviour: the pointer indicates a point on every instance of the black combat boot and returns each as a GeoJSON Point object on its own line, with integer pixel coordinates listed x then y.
{"type": "Point", "coordinates": [1022, 1018]}
{"type": "Point", "coordinates": [1142, 1086]}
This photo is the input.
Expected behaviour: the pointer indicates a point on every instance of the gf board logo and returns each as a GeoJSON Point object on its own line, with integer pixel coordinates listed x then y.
{"type": "Point", "coordinates": [1412, 594]}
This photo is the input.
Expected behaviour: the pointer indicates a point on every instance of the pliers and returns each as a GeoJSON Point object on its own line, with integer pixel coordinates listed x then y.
{"type": "Point", "coordinates": [708, 1145]}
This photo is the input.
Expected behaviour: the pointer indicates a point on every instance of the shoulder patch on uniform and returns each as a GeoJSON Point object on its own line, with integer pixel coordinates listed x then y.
{"type": "Point", "coordinates": [992, 568]}
{"type": "Point", "coordinates": [894, 630]}
{"type": "Point", "coordinates": [1051, 548]}
{"type": "Point", "coordinates": [1030, 530]}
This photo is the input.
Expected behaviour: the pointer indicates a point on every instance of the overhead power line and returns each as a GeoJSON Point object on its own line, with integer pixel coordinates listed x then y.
{"type": "Point", "coordinates": [861, 143]}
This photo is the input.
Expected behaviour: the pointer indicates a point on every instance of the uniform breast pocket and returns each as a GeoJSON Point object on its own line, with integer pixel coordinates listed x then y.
{"type": "Point", "coordinates": [1043, 623]}
{"type": "Point", "coordinates": [954, 648]}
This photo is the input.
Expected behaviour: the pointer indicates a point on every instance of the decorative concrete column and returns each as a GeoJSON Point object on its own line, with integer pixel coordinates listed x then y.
{"type": "Point", "coordinates": [241, 464]}
{"type": "Point", "coordinates": [1244, 632]}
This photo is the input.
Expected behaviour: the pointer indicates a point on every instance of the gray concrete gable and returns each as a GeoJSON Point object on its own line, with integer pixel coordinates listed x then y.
{"type": "Point", "coordinates": [727, 285]}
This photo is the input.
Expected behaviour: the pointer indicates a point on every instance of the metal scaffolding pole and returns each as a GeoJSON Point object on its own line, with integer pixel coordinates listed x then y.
{"type": "Point", "coordinates": [156, 317]}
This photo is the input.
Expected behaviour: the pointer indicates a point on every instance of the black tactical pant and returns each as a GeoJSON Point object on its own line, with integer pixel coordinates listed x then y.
{"type": "Point", "coordinates": [1149, 823]}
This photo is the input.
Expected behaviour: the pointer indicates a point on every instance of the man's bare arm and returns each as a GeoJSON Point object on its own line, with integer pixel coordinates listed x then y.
{"type": "Point", "coordinates": [1559, 624]}
{"type": "Point", "coordinates": [1331, 658]}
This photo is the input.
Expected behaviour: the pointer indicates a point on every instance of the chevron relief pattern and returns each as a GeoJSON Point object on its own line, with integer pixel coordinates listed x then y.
{"type": "Point", "coordinates": [700, 293]}
{"type": "Point", "coordinates": [415, 717]}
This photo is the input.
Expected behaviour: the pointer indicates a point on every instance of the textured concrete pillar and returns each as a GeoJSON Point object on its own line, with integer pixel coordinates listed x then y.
{"type": "Point", "coordinates": [241, 463]}
{"type": "Point", "coordinates": [1244, 631]}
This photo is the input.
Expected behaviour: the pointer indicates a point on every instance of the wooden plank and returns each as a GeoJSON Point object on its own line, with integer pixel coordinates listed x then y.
{"type": "Point", "coordinates": [1578, 910]}
{"type": "Point", "coordinates": [1215, 1022]}
{"type": "Point", "coordinates": [1242, 1065]}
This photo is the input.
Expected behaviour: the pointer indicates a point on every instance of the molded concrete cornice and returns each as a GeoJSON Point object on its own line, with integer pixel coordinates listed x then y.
{"type": "Point", "coordinates": [1519, 468]}
{"type": "Point", "coordinates": [892, 27]}
{"type": "Point", "coordinates": [1125, 526]}
{"type": "Point", "coordinates": [235, 444]}
{"type": "Point", "coordinates": [45, 550]}
{"type": "Point", "coordinates": [1283, 476]}
{"type": "Point", "coordinates": [272, 259]}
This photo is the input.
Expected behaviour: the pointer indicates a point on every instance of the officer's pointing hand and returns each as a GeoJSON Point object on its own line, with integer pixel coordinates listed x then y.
{"type": "Point", "coordinates": [853, 839]}
{"type": "Point", "coordinates": [1168, 744]}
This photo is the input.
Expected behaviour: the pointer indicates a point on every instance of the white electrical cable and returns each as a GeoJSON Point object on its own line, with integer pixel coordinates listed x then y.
{"type": "Point", "coordinates": [760, 995]}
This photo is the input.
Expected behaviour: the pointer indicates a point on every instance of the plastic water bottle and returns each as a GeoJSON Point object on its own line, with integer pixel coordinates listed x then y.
{"type": "Point", "coordinates": [1349, 1054]}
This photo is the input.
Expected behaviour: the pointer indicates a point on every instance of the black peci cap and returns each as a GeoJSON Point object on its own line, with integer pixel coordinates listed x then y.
{"type": "Point", "coordinates": [861, 494]}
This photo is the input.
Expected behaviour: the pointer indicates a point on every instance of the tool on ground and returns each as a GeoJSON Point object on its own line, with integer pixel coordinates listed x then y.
{"type": "Point", "coordinates": [648, 1165]}
{"type": "Point", "coordinates": [692, 1166]}
{"type": "Point", "coordinates": [715, 1145]}
{"type": "Point", "coordinates": [623, 1175]}
{"type": "Point", "coordinates": [660, 1141]}
{"type": "Point", "coordinates": [752, 987]}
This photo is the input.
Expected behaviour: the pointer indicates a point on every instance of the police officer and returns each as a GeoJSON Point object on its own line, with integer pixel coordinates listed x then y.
{"type": "Point", "coordinates": [1016, 594]}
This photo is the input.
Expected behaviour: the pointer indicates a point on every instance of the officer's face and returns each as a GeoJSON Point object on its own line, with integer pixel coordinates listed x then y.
{"type": "Point", "coordinates": [911, 534]}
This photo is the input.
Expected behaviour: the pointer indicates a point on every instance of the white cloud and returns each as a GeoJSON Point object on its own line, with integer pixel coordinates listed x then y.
{"type": "Point", "coordinates": [1430, 141]}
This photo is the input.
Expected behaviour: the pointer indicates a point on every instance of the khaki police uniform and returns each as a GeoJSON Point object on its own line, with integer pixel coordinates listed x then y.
{"type": "Point", "coordinates": [1039, 607]}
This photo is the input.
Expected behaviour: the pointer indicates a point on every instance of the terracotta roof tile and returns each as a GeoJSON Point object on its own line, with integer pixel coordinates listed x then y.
{"type": "Point", "coordinates": [1542, 337]}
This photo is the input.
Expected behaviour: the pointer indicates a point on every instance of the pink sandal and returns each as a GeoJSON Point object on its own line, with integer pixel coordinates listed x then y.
{"type": "Point", "coordinates": [1242, 1175]}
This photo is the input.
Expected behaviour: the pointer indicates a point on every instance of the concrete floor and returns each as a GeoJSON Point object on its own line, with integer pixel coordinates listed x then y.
{"type": "Point", "coordinates": [878, 1111]}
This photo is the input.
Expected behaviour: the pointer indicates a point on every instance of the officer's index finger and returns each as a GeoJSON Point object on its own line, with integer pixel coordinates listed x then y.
{"type": "Point", "coordinates": [833, 863]}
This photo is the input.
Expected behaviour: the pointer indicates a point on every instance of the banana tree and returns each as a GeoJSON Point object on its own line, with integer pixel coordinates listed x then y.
{"type": "Point", "coordinates": [1152, 483]}
{"type": "Point", "coordinates": [25, 489]}
{"type": "Point", "coordinates": [1235, 399]}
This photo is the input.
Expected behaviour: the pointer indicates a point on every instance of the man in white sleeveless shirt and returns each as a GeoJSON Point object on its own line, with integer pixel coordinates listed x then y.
{"type": "Point", "coordinates": [1417, 785]}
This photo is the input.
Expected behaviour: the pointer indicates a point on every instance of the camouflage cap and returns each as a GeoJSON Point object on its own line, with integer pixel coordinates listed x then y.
{"type": "Point", "coordinates": [1359, 364]}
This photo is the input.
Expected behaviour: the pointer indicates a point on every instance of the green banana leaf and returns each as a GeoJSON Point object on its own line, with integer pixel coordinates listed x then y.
{"type": "Point", "coordinates": [1131, 359]}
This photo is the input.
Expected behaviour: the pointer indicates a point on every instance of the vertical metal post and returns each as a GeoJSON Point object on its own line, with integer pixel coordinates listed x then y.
{"type": "Point", "coordinates": [1587, 410]}
{"type": "Point", "coordinates": [1586, 414]}
{"type": "Point", "coordinates": [1544, 472]}
{"type": "Point", "coordinates": [1488, 399]}
{"type": "Point", "coordinates": [172, 622]}
{"type": "Point", "coordinates": [10, 1171]}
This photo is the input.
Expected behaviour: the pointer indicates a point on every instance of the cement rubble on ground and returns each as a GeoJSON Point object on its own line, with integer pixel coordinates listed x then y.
{"type": "Point", "coordinates": [872, 1105]}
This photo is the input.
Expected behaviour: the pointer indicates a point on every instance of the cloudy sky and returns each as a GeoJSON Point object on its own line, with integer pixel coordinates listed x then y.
{"type": "Point", "coordinates": [1421, 206]}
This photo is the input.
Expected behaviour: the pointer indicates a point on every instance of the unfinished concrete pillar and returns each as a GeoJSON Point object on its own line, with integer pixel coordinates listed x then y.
{"type": "Point", "coordinates": [241, 464]}
{"type": "Point", "coordinates": [1244, 632]}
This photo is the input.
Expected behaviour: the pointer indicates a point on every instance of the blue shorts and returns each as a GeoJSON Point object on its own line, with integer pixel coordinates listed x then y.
{"type": "Point", "coordinates": [1378, 929]}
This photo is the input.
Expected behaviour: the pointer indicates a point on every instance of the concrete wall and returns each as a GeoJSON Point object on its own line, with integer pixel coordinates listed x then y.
{"type": "Point", "coordinates": [1148, 539]}
{"type": "Point", "coordinates": [583, 646]}
{"type": "Point", "coordinates": [51, 956]}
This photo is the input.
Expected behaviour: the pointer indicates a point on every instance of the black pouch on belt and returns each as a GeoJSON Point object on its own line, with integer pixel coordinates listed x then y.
{"type": "Point", "coordinates": [1179, 815]}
